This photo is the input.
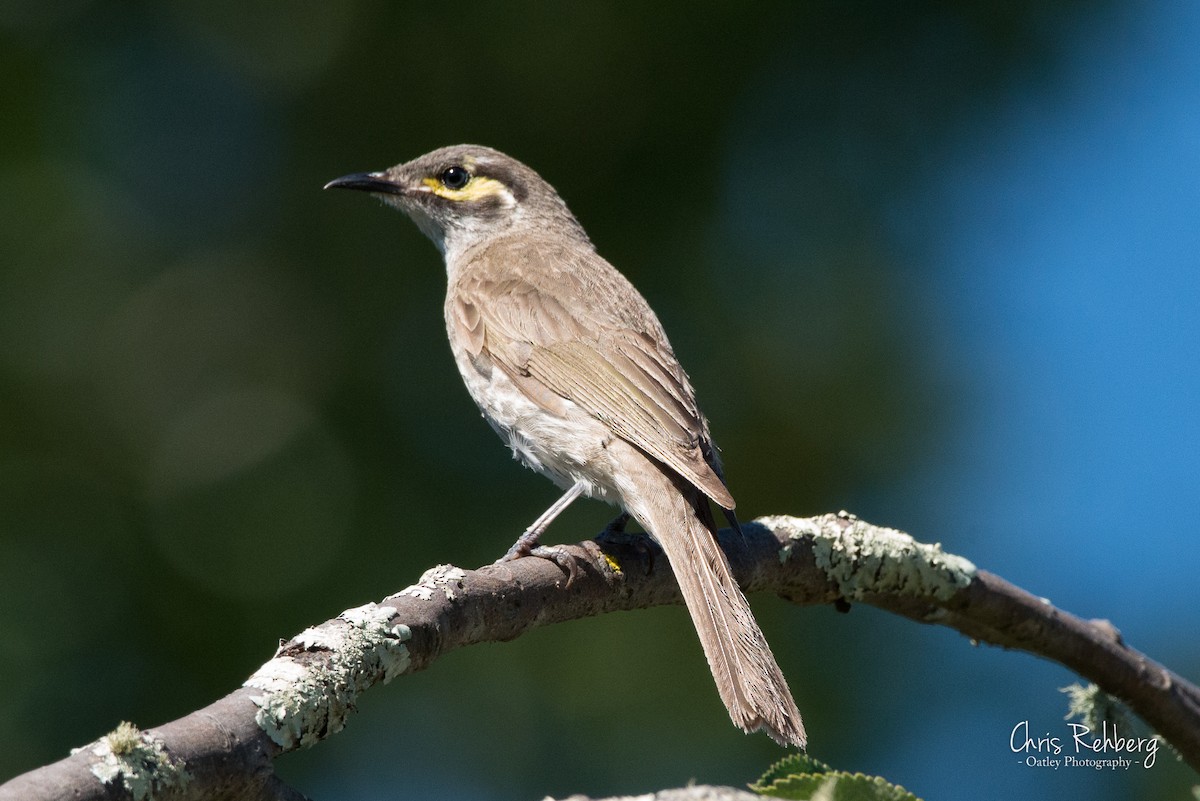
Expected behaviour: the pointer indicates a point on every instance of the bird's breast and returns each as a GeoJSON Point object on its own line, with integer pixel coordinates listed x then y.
{"type": "Point", "coordinates": [566, 445]}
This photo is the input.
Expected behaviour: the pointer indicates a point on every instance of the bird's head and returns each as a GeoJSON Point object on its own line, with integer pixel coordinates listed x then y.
{"type": "Point", "coordinates": [464, 195]}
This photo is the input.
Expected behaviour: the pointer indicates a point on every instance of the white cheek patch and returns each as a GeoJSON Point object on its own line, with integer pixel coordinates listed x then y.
{"type": "Point", "coordinates": [506, 196]}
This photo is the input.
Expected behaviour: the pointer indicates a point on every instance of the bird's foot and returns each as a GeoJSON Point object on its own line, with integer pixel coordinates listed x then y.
{"type": "Point", "coordinates": [559, 555]}
{"type": "Point", "coordinates": [614, 534]}
{"type": "Point", "coordinates": [527, 545]}
{"type": "Point", "coordinates": [524, 546]}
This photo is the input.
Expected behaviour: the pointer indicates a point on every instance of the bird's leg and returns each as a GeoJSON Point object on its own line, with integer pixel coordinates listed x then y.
{"type": "Point", "coordinates": [527, 543]}
{"type": "Point", "coordinates": [616, 525]}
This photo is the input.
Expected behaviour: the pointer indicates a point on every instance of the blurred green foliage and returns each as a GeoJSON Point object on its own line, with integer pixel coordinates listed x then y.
{"type": "Point", "coordinates": [227, 409]}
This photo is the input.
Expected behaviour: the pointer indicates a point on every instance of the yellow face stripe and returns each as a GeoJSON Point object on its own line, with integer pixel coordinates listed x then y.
{"type": "Point", "coordinates": [477, 188]}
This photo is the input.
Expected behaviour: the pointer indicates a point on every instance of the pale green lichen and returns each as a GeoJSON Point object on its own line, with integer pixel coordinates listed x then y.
{"type": "Point", "coordinates": [138, 761]}
{"type": "Point", "coordinates": [303, 701]}
{"type": "Point", "coordinates": [864, 559]}
{"type": "Point", "coordinates": [1100, 713]}
{"type": "Point", "coordinates": [1094, 707]}
{"type": "Point", "coordinates": [443, 578]}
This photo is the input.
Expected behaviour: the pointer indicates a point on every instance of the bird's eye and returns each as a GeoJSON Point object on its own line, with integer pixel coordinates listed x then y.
{"type": "Point", "coordinates": [455, 177]}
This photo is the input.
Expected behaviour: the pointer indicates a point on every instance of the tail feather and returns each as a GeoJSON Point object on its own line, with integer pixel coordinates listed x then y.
{"type": "Point", "coordinates": [747, 676]}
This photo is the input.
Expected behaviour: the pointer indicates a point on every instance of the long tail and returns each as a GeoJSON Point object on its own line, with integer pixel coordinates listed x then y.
{"type": "Point", "coordinates": [747, 676]}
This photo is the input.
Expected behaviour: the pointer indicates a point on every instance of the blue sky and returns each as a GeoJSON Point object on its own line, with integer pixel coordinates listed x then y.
{"type": "Point", "coordinates": [1069, 267]}
{"type": "Point", "coordinates": [1064, 246]}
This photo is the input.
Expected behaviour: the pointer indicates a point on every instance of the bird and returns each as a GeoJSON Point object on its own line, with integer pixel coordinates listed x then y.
{"type": "Point", "coordinates": [571, 367]}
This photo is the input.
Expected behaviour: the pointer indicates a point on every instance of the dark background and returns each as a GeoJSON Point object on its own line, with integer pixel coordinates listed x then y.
{"type": "Point", "coordinates": [932, 263]}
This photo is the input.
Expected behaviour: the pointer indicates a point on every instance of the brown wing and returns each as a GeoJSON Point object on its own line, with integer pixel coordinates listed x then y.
{"type": "Point", "coordinates": [618, 367]}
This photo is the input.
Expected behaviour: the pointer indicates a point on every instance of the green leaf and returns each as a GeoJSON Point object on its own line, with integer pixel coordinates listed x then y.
{"type": "Point", "coordinates": [803, 778]}
{"type": "Point", "coordinates": [791, 765]}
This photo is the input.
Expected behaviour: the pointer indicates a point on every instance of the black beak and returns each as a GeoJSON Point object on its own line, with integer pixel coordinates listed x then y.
{"type": "Point", "coordinates": [367, 182]}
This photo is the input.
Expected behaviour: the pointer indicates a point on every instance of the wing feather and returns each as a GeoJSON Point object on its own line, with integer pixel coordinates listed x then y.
{"type": "Point", "coordinates": [618, 367]}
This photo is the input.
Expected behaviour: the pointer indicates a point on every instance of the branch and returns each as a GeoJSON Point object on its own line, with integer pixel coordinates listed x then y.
{"type": "Point", "coordinates": [305, 693]}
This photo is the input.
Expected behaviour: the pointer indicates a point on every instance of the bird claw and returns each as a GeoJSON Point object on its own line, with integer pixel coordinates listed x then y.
{"type": "Point", "coordinates": [615, 534]}
{"type": "Point", "coordinates": [527, 545]}
{"type": "Point", "coordinates": [560, 556]}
